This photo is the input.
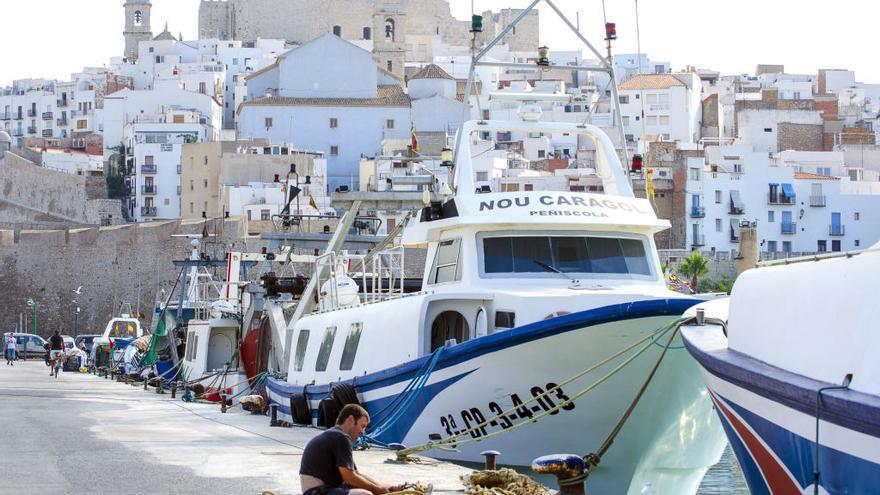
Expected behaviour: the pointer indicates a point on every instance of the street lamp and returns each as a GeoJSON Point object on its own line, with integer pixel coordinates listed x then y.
{"type": "Point", "coordinates": [75, 319]}
{"type": "Point", "coordinates": [33, 303]}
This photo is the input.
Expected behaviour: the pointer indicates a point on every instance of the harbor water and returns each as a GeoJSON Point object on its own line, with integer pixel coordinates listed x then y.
{"type": "Point", "coordinates": [725, 478]}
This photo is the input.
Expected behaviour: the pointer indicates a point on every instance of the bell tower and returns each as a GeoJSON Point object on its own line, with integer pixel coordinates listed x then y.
{"type": "Point", "coordinates": [137, 26]}
{"type": "Point", "coordinates": [389, 35]}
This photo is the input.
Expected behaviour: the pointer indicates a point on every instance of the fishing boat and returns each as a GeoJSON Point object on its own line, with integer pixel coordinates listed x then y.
{"type": "Point", "coordinates": [123, 329]}
{"type": "Point", "coordinates": [793, 374]}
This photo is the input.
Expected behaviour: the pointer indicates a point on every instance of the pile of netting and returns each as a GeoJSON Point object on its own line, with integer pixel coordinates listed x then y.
{"type": "Point", "coordinates": [504, 481]}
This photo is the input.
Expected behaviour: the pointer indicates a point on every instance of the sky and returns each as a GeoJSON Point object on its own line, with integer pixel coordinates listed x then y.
{"type": "Point", "coordinates": [53, 38]}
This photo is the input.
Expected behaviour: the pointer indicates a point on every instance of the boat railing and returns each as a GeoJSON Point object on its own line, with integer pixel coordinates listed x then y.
{"type": "Point", "coordinates": [383, 281]}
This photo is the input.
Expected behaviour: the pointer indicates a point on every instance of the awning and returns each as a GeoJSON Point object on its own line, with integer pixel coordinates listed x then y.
{"type": "Point", "coordinates": [734, 227]}
{"type": "Point", "coordinates": [736, 200]}
{"type": "Point", "coordinates": [787, 190]}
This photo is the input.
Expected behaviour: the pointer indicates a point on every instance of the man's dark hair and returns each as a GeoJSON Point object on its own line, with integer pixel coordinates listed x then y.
{"type": "Point", "coordinates": [351, 410]}
{"type": "Point", "coordinates": [56, 332]}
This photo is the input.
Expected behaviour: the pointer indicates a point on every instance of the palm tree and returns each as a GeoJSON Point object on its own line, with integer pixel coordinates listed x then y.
{"type": "Point", "coordinates": [693, 267]}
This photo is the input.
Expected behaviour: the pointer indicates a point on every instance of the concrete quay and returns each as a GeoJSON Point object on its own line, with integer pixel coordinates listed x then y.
{"type": "Point", "coordinates": [83, 434]}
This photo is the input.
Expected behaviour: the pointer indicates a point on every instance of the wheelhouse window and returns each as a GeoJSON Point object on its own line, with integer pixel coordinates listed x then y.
{"type": "Point", "coordinates": [351, 346]}
{"type": "Point", "coordinates": [446, 262]}
{"type": "Point", "coordinates": [573, 254]}
{"type": "Point", "coordinates": [326, 347]}
{"type": "Point", "coordinates": [302, 343]}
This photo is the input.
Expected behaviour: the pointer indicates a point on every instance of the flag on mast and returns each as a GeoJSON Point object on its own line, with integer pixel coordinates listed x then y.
{"type": "Point", "coordinates": [415, 140]}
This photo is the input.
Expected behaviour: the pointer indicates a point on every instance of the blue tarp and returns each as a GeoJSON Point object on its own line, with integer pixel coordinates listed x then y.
{"type": "Point", "coordinates": [787, 190]}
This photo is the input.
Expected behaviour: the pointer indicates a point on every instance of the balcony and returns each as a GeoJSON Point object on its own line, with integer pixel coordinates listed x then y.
{"type": "Point", "coordinates": [698, 212]}
{"type": "Point", "coordinates": [699, 240]}
{"type": "Point", "coordinates": [61, 103]}
{"type": "Point", "coordinates": [736, 210]}
{"type": "Point", "coordinates": [32, 130]}
{"type": "Point", "coordinates": [788, 227]}
{"type": "Point", "coordinates": [31, 113]}
{"type": "Point", "coordinates": [658, 107]}
{"type": "Point", "coordinates": [48, 115]}
{"type": "Point", "coordinates": [148, 211]}
{"type": "Point", "coordinates": [17, 133]}
{"type": "Point", "coordinates": [178, 169]}
{"type": "Point", "coordinates": [148, 189]}
{"type": "Point", "coordinates": [47, 133]}
{"type": "Point", "coordinates": [734, 237]}
{"type": "Point", "coordinates": [148, 169]}
{"type": "Point", "coordinates": [5, 116]}
{"type": "Point", "coordinates": [817, 201]}
{"type": "Point", "coordinates": [780, 199]}
{"type": "Point", "coordinates": [836, 230]}
{"type": "Point", "coordinates": [61, 122]}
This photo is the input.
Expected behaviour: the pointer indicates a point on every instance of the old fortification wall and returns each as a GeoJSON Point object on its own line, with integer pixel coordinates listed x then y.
{"type": "Point", "coordinates": [51, 196]}
{"type": "Point", "coordinates": [126, 263]}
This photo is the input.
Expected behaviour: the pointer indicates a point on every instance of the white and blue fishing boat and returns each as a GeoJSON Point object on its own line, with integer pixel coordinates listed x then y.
{"type": "Point", "coordinates": [521, 292]}
{"type": "Point", "coordinates": [795, 376]}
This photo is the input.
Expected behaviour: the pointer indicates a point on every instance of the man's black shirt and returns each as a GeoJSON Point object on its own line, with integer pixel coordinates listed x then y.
{"type": "Point", "coordinates": [56, 343]}
{"type": "Point", "coordinates": [325, 454]}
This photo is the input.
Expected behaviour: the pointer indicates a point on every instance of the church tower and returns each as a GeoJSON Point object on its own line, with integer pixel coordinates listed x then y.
{"type": "Point", "coordinates": [137, 26]}
{"type": "Point", "coordinates": [389, 38]}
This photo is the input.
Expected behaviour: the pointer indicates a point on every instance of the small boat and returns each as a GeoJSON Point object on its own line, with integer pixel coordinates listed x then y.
{"type": "Point", "coordinates": [790, 362]}
{"type": "Point", "coordinates": [104, 351]}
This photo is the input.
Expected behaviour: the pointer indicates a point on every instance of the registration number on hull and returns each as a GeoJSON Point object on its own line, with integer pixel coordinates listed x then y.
{"type": "Point", "coordinates": [501, 418]}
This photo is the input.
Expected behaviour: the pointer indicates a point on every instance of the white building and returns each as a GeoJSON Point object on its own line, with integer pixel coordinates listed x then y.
{"type": "Point", "coordinates": [670, 103]}
{"type": "Point", "coordinates": [153, 145]}
{"type": "Point", "coordinates": [794, 211]}
{"type": "Point", "coordinates": [330, 96]}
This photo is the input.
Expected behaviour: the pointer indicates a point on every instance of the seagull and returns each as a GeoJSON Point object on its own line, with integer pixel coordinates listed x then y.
{"type": "Point", "coordinates": [78, 290]}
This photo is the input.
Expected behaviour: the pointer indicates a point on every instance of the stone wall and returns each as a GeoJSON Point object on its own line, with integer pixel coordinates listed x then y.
{"type": "Point", "coordinates": [54, 196]}
{"type": "Point", "coordinates": [127, 263]}
{"type": "Point", "coordinates": [800, 137]}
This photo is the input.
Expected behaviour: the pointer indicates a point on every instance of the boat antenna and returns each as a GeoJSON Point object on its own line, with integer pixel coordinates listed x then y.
{"type": "Point", "coordinates": [639, 56]}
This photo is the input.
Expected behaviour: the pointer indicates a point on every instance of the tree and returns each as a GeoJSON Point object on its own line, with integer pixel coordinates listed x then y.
{"type": "Point", "coordinates": [693, 267]}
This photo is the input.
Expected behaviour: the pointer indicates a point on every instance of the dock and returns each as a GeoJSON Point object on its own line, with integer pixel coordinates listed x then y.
{"type": "Point", "coordinates": [81, 433]}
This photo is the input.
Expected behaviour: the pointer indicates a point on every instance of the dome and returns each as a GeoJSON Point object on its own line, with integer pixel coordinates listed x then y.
{"type": "Point", "coordinates": [5, 137]}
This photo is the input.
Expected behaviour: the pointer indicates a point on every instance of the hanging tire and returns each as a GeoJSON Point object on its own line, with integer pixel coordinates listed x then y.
{"type": "Point", "coordinates": [299, 409]}
{"type": "Point", "coordinates": [328, 410]}
{"type": "Point", "coordinates": [345, 394]}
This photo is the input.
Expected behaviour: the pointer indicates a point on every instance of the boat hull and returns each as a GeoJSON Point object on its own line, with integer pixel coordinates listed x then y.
{"type": "Point", "coordinates": [769, 417]}
{"type": "Point", "coordinates": [670, 440]}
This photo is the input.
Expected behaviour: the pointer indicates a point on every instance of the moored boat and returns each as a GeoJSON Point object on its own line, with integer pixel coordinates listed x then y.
{"type": "Point", "coordinates": [794, 374]}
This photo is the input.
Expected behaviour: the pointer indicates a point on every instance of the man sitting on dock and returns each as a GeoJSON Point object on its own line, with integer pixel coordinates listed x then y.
{"type": "Point", "coordinates": [328, 466]}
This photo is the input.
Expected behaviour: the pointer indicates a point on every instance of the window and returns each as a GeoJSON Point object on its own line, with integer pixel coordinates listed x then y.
{"type": "Point", "coordinates": [268, 122]}
{"type": "Point", "coordinates": [717, 225]}
{"type": "Point", "coordinates": [203, 88]}
{"type": "Point", "coordinates": [167, 201]}
{"type": "Point", "coordinates": [651, 98]}
{"type": "Point", "coordinates": [662, 98]}
{"type": "Point", "coordinates": [178, 119]}
{"type": "Point", "coordinates": [326, 347]}
{"type": "Point", "coordinates": [528, 187]}
{"type": "Point", "coordinates": [694, 173]}
{"type": "Point", "coordinates": [337, 30]}
{"type": "Point", "coordinates": [446, 262]}
{"type": "Point", "coordinates": [302, 343]}
{"type": "Point", "coordinates": [857, 242]}
{"type": "Point", "coordinates": [234, 61]}
{"type": "Point", "coordinates": [624, 99]}
{"type": "Point", "coordinates": [771, 246]}
{"type": "Point", "coordinates": [390, 66]}
{"type": "Point", "coordinates": [651, 120]}
{"type": "Point", "coordinates": [389, 124]}
{"type": "Point", "coordinates": [541, 153]}
{"type": "Point", "coordinates": [334, 123]}
{"type": "Point", "coordinates": [856, 216]}
{"type": "Point", "coordinates": [482, 176]}
{"type": "Point", "coordinates": [768, 129]}
{"type": "Point", "coordinates": [786, 246]}
{"type": "Point", "coordinates": [82, 124]}
{"type": "Point", "coordinates": [138, 17]}
{"type": "Point", "coordinates": [771, 216]}
{"type": "Point", "coordinates": [148, 160]}
{"type": "Point", "coordinates": [334, 150]}
{"type": "Point", "coordinates": [265, 215]}
{"type": "Point", "coordinates": [568, 254]}
{"type": "Point", "coordinates": [206, 160]}
{"type": "Point", "coordinates": [625, 119]}
{"type": "Point", "coordinates": [192, 186]}
{"type": "Point", "coordinates": [664, 120]}
{"type": "Point", "coordinates": [367, 33]}
{"type": "Point", "coordinates": [822, 246]}
{"type": "Point", "coordinates": [205, 182]}
{"type": "Point", "coordinates": [835, 246]}
{"type": "Point", "coordinates": [717, 196]}
{"type": "Point", "coordinates": [349, 351]}
{"type": "Point", "coordinates": [160, 59]}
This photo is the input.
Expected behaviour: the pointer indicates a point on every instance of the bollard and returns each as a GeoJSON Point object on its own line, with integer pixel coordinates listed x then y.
{"type": "Point", "coordinates": [223, 403]}
{"type": "Point", "coordinates": [273, 414]}
{"type": "Point", "coordinates": [568, 469]}
{"type": "Point", "coordinates": [490, 456]}
{"type": "Point", "coordinates": [159, 388]}
{"type": "Point", "coordinates": [701, 316]}
{"type": "Point", "coordinates": [398, 448]}
{"type": "Point", "coordinates": [146, 381]}
{"type": "Point", "coordinates": [173, 390]}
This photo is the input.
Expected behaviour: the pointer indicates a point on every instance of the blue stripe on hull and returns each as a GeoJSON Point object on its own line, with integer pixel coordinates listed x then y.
{"type": "Point", "coordinates": [841, 472]}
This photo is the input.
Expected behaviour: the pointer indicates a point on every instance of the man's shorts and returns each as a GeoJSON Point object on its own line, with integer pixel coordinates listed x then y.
{"type": "Point", "coordinates": [10, 354]}
{"type": "Point", "coordinates": [55, 354]}
{"type": "Point", "coordinates": [326, 490]}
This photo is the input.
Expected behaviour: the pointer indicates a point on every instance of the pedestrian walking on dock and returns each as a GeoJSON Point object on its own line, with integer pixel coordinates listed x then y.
{"type": "Point", "coordinates": [56, 349]}
{"type": "Point", "coordinates": [10, 349]}
{"type": "Point", "coordinates": [327, 466]}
